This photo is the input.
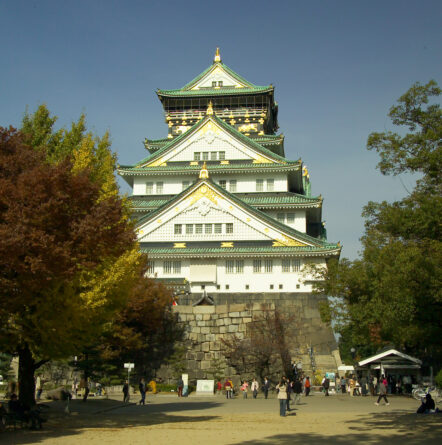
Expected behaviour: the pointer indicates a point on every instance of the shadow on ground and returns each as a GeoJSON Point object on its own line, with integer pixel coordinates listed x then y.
{"type": "Point", "coordinates": [405, 429]}
{"type": "Point", "coordinates": [106, 414]}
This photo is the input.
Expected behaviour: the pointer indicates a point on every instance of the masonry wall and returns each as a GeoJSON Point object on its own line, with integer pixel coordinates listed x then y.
{"type": "Point", "coordinates": [206, 326]}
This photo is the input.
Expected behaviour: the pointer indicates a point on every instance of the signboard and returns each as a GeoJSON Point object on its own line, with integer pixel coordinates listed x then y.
{"type": "Point", "coordinates": [129, 365]}
{"type": "Point", "coordinates": [330, 375]}
{"type": "Point", "coordinates": [205, 387]}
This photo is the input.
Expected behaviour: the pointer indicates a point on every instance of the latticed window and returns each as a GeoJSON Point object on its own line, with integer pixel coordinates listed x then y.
{"type": "Point", "coordinates": [232, 185]}
{"type": "Point", "coordinates": [213, 156]}
{"type": "Point", "coordinates": [290, 218]}
{"type": "Point", "coordinates": [229, 228]}
{"type": "Point", "coordinates": [185, 184]}
{"type": "Point", "coordinates": [230, 266]}
{"type": "Point", "coordinates": [189, 229]}
{"type": "Point", "coordinates": [257, 266]}
{"type": "Point", "coordinates": [296, 265]}
{"type": "Point", "coordinates": [205, 155]}
{"type": "Point", "coordinates": [177, 267]}
{"type": "Point", "coordinates": [167, 267]}
{"type": "Point", "coordinates": [149, 188]}
{"type": "Point", "coordinates": [198, 228]}
{"type": "Point", "coordinates": [160, 187]}
{"type": "Point", "coordinates": [150, 266]}
{"type": "Point", "coordinates": [222, 155]}
{"type": "Point", "coordinates": [208, 229]}
{"type": "Point", "coordinates": [260, 185]}
{"type": "Point", "coordinates": [178, 229]}
{"type": "Point", "coordinates": [222, 183]}
{"type": "Point", "coordinates": [270, 185]}
{"type": "Point", "coordinates": [218, 228]}
{"type": "Point", "coordinates": [280, 217]}
{"type": "Point", "coordinates": [268, 266]}
{"type": "Point", "coordinates": [197, 156]}
{"type": "Point", "coordinates": [239, 266]}
{"type": "Point", "coordinates": [286, 265]}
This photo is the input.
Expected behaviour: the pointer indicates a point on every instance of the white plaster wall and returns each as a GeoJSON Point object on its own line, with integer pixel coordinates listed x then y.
{"type": "Point", "coordinates": [300, 218]}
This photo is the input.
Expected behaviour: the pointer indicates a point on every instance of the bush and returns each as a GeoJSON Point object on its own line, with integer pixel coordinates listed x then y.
{"type": "Point", "coordinates": [438, 379]}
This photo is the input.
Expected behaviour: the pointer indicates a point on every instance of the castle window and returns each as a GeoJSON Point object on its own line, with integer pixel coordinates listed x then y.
{"type": "Point", "coordinates": [257, 266]}
{"type": "Point", "coordinates": [239, 266]}
{"type": "Point", "coordinates": [280, 286]}
{"type": "Point", "coordinates": [159, 188]}
{"type": "Point", "coordinates": [177, 267]}
{"type": "Point", "coordinates": [222, 183]}
{"type": "Point", "coordinates": [189, 229]}
{"type": "Point", "coordinates": [208, 229]}
{"type": "Point", "coordinates": [271, 286]}
{"type": "Point", "coordinates": [218, 228]}
{"type": "Point", "coordinates": [220, 83]}
{"type": "Point", "coordinates": [232, 185]}
{"type": "Point", "coordinates": [185, 184]}
{"type": "Point", "coordinates": [270, 185]}
{"type": "Point", "coordinates": [149, 188]}
{"type": "Point", "coordinates": [298, 286]}
{"type": "Point", "coordinates": [296, 265]}
{"type": "Point", "coordinates": [229, 228]}
{"type": "Point", "coordinates": [290, 218]}
{"type": "Point", "coordinates": [227, 287]}
{"type": "Point", "coordinates": [230, 266]}
{"type": "Point", "coordinates": [280, 217]}
{"type": "Point", "coordinates": [247, 287]}
{"type": "Point", "coordinates": [218, 287]}
{"type": "Point", "coordinates": [167, 267]}
{"type": "Point", "coordinates": [150, 266]}
{"type": "Point", "coordinates": [260, 185]}
{"type": "Point", "coordinates": [205, 155]}
{"type": "Point", "coordinates": [214, 83]}
{"type": "Point", "coordinates": [286, 266]}
{"type": "Point", "coordinates": [198, 229]}
{"type": "Point", "coordinates": [197, 156]}
{"type": "Point", "coordinates": [213, 156]}
{"type": "Point", "coordinates": [178, 229]}
{"type": "Point", "coordinates": [268, 266]}
{"type": "Point", "coordinates": [222, 155]}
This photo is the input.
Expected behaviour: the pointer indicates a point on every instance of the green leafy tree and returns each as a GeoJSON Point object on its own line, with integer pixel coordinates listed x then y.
{"type": "Point", "coordinates": [392, 294]}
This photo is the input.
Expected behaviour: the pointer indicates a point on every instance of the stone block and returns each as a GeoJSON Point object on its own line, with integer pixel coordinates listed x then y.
{"type": "Point", "coordinates": [201, 337]}
{"type": "Point", "coordinates": [219, 322]}
{"type": "Point", "coordinates": [222, 329]}
{"type": "Point", "coordinates": [242, 328]}
{"type": "Point", "coordinates": [215, 346]}
{"type": "Point", "coordinates": [220, 309]}
{"type": "Point", "coordinates": [183, 309]}
{"type": "Point", "coordinates": [205, 364]}
{"type": "Point", "coordinates": [205, 347]}
{"type": "Point", "coordinates": [198, 317]}
{"type": "Point", "coordinates": [196, 329]}
{"type": "Point", "coordinates": [236, 307]}
{"type": "Point", "coordinates": [233, 314]}
{"type": "Point", "coordinates": [211, 336]}
{"type": "Point", "coordinates": [206, 317]}
{"type": "Point", "coordinates": [201, 323]}
{"type": "Point", "coordinates": [200, 356]}
{"type": "Point", "coordinates": [245, 314]}
{"type": "Point", "coordinates": [227, 320]}
{"type": "Point", "coordinates": [236, 320]}
{"type": "Point", "coordinates": [205, 330]}
{"type": "Point", "coordinates": [196, 347]}
{"type": "Point", "coordinates": [204, 309]}
{"type": "Point", "coordinates": [232, 328]}
{"type": "Point", "coordinates": [192, 364]}
{"type": "Point", "coordinates": [247, 319]}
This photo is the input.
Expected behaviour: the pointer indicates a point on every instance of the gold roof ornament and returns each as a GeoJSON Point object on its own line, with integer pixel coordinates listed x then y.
{"type": "Point", "coordinates": [204, 173]}
{"type": "Point", "coordinates": [217, 57]}
{"type": "Point", "coordinates": [209, 109]}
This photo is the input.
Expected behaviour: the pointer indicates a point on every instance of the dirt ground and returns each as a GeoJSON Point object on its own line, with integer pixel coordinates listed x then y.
{"type": "Point", "coordinates": [334, 420]}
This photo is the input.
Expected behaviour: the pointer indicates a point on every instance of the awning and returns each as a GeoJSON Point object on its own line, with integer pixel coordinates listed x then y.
{"type": "Point", "coordinates": [391, 359]}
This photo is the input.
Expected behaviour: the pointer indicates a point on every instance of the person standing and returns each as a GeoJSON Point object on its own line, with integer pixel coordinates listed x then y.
{"type": "Point", "coordinates": [244, 387]}
{"type": "Point", "coordinates": [228, 388]}
{"type": "Point", "coordinates": [142, 388]}
{"type": "Point", "coordinates": [343, 383]}
{"type": "Point", "coordinates": [289, 384]}
{"type": "Point", "coordinates": [281, 387]}
{"type": "Point", "coordinates": [297, 389]}
{"type": "Point", "coordinates": [326, 385]}
{"type": "Point", "coordinates": [307, 386]}
{"type": "Point", "coordinates": [382, 391]}
{"type": "Point", "coordinates": [254, 388]}
{"type": "Point", "coordinates": [180, 385]}
{"type": "Point", "coordinates": [39, 387]}
{"type": "Point", "coordinates": [126, 396]}
{"type": "Point", "coordinates": [266, 387]}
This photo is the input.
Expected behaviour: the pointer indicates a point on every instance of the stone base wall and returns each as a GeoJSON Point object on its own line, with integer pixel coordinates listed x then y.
{"type": "Point", "coordinates": [206, 326]}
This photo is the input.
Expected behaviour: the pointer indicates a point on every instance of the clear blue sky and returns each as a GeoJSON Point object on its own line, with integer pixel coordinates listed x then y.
{"type": "Point", "coordinates": [337, 67]}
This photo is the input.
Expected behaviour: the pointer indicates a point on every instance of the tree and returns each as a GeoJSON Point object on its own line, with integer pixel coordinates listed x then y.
{"type": "Point", "coordinates": [266, 347]}
{"type": "Point", "coordinates": [392, 294]}
{"type": "Point", "coordinates": [68, 255]}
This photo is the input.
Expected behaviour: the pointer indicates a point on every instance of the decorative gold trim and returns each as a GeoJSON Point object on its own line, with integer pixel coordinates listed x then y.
{"type": "Point", "coordinates": [229, 244]}
{"type": "Point", "coordinates": [194, 163]}
{"type": "Point", "coordinates": [217, 57]}
{"type": "Point", "coordinates": [179, 245]}
{"type": "Point", "coordinates": [204, 173]}
{"type": "Point", "coordinates": [261, 160]}
{"type": "Point", "coordinates": [209, 111]}
{"type": "Point", "coordinates": [288, 242]}
{"type": "Point", "coordinates": [204, 192]}
{"type": "Point", "coordinates": [224, 162]}
{"type": "Point", "coordinates": [159, 221]}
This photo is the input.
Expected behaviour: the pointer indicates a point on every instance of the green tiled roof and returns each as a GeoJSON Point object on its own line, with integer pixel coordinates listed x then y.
{"type": "Point", "coordinates": [155, 144]}
{"type": "Point", "coordinates": [257, 213]}
{"type": "Point", "coordinates": [260, 200]}
{"type": "Point", "coordinates": [186, 90]}
{"type": "Point", "coordinates": [235, 133]}
{"type": "Point", "coordinates": [332, 249]}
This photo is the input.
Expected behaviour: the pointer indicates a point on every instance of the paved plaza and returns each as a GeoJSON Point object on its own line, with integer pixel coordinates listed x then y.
{"type": "Point", "coordinates": [333, 420]}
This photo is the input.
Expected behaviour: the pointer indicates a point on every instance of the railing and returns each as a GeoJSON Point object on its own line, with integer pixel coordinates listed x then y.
{"type": "Point", "coordinates": [223, 113]}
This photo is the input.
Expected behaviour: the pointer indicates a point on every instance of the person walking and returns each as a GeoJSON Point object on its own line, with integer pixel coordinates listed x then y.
{"type": "Point", "coordinates": [142, 388]}
{"type": "Point", "coordinates": [266, 387]}
{"type": "Point", "coordinates": [126, 396]}
{"type": "Point", "coordinates": [382, 392]}
{"type": "Point", "coordinates": [281, 387]}
{"type": "Point", "coordinates": [39, 387]}
{"type": "Point", "coordinates": [228, 388]}
{"type": "Point", "coordinates": [289, 384]}
{"type": "Point", "coordinates": [180, 385]}
{"type": "Point", "coordinates": [343, 383]}
{"type": "Point", "coordinates": [297, 389]}
{"type": "Point", "coordinates": [244, 388]}
{"type": "Point", "coordinates": [307, 386]}
{"type": "Point", "coordinates": [254, 388]}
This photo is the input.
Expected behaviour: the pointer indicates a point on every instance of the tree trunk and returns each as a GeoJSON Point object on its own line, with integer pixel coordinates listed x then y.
{"type": "Point", "coordinates": [26, 382]}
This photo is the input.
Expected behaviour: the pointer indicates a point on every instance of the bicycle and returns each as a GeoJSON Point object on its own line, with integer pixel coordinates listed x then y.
{"type": "Point", "coordinates": [421, 392]}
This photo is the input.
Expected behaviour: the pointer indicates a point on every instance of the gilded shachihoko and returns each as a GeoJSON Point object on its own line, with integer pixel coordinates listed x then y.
{"type": "Point", "coordinates": [224, 216]}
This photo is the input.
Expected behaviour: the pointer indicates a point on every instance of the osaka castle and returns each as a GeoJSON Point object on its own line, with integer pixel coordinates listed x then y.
{"type": "Point", "coordinates": [219, 209]}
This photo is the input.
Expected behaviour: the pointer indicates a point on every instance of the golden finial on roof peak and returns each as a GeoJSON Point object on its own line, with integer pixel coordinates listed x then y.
{"type": "Point", "coordinates": [209, 108]}
{"type": "Point", "coordinates": [217, 57]}
{"type": "Point", "coordinates": [204, 173]}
